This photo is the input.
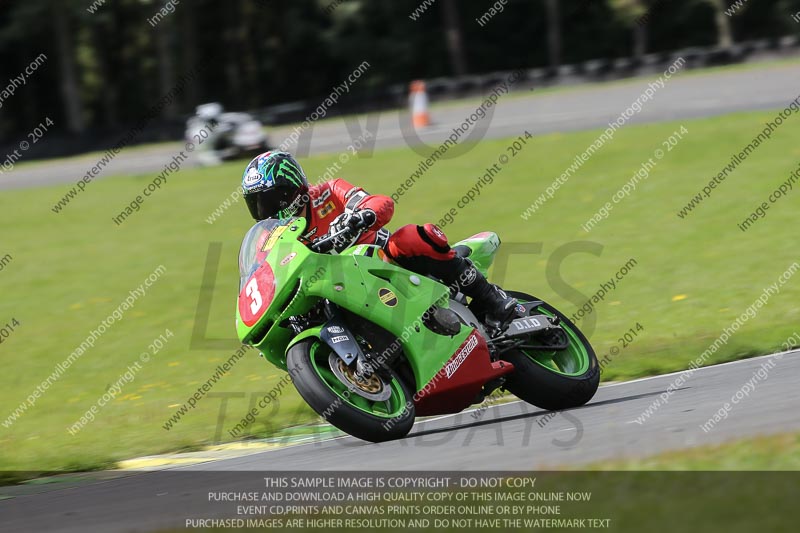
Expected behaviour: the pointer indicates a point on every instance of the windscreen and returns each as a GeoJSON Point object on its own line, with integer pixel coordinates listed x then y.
{"type": "Point", "coordinates": [257, 244]}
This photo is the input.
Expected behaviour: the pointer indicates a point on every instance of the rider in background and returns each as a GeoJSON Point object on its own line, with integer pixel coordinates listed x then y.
{"type": "Point", "coordinates": [275, 186]}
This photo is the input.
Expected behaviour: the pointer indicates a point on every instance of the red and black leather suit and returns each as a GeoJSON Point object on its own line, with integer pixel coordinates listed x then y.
{"type": "Point", "coordinates": [414, 247]}
{"type": "Point", "coordinates": [422, 249]}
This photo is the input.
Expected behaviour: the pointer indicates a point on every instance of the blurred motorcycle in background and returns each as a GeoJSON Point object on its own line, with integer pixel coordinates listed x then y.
{"type": "Point", "coordinates": [221, 136]}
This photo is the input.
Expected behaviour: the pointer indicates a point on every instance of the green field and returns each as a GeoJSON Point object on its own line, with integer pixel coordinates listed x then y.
{"type": "Point", "coordinates": [693, 277]}
{"type": "Point", "coordinates": [779, 453]}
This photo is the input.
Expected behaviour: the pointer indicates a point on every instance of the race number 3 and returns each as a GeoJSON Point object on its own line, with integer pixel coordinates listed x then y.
{"type": "Point", "coordinates": [256, 301]}
{"type": "Point", "coordinates": [256, 295]}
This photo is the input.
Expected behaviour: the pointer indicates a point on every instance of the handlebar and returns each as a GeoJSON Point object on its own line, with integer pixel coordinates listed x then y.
{"type": "Point", "coordinates": [326, 242]}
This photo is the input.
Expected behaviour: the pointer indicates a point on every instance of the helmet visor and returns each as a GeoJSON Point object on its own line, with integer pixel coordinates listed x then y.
{"type": "Point", "coordinates": [280, 202]}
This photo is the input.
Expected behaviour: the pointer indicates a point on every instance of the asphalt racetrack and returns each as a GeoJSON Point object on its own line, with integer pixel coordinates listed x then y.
{"type": "Point", "coordinates": [513, 436]}
{"type": "Point", "coordinates": [692, 95]}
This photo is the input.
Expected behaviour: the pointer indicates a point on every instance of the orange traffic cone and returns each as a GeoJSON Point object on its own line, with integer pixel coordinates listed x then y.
{"type": "Point", "coordinates": [418, 99]}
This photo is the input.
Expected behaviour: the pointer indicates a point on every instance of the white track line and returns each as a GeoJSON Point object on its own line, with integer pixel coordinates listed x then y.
{"type": "Point", "coordinates": [615, 384]}
{"type": "Point", "coordinates": [700, 369]}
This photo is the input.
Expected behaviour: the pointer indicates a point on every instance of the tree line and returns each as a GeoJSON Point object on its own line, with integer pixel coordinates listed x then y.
{"type": "Point", "coordinates": [108, 61]}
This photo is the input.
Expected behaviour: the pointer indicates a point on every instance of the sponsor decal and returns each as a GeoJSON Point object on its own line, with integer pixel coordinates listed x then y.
{"type": "Point", "coordinates": [326, 210]}
{"type": "Point", "coordinates": [520, 309]}
{"type": "Point", "coordinates": [319, 200]}
{"type": "Point", "coordinates": [288, 258]}
{"type": "Point", "coordinates": [335, 329]}
{"type": "Point", "coordinates": [253, 177]}
{"type": "Point", "coordinates": [387, 297]}
{"type": "Point", "coordinates": [308, 238]}
{"type": "Point", "coordinates": [461, 356]}
{"type": "Point", "coordinates": [526, 323]}
{"type": "Point", "coordinates": [273, 238]}
{"type": "Point", "coordinates": [340, 338]}
{"type": "Point", "coordinates": [436, 231]}
{"type": "Point", "coordinates": [469, 276]}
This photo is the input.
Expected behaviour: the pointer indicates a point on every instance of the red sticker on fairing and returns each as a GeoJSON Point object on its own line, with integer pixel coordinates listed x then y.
{"type": "Point", "coordinates": [256, 295]}
{"type": "Point", "coordinates": [461, 355]}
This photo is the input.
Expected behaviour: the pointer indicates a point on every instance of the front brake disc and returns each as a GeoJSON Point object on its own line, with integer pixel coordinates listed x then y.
{"type": "Point", "coordinates": [374, 387]}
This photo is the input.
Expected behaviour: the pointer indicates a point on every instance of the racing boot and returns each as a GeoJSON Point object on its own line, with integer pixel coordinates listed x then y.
{"type": "Point", "coordinates": [499, 307]}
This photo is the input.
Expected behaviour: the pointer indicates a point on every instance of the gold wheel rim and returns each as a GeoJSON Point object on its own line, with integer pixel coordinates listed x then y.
{"type": "Point", "coordinates": [371, 385]}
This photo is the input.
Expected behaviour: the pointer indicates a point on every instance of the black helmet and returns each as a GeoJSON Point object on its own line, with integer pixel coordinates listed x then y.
{"type": "Point", "coordinates": [274, 186]}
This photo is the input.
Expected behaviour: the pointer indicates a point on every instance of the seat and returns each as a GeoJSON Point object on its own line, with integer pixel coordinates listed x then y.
{"type": "Point", "coordinates": [462, 250]}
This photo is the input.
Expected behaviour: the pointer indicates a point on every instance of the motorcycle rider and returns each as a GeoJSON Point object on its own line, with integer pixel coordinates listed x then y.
{"type": "Point", "coordinates": [275, 186]}
{"type": "Point", "coordinates": [209, 117]}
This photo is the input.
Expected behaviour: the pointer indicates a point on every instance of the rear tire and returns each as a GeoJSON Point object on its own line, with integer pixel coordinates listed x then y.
{"type": "Point", "coordinates": [340, 411]}
{"type": "Point", "coordinates": [539, 385]}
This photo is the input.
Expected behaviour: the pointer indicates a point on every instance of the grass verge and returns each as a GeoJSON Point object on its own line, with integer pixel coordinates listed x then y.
{"type": "Point", "coordinates": [693, 276]}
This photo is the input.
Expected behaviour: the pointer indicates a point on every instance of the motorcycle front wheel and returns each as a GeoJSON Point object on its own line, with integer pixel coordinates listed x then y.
{"type": "Point", "coordinates": [338, 402]}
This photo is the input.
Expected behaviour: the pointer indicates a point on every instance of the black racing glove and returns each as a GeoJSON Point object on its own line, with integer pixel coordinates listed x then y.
{"type": "Point", "coordinates": [351, 225]}
{"type": "Point", "coordinates": [365, 218]}
{"type": "Point", "coordinates": [356, 221]}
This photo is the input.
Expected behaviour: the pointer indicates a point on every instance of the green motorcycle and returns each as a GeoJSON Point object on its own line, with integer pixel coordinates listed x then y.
{"type": "Point", "coordinates": [370, 345]}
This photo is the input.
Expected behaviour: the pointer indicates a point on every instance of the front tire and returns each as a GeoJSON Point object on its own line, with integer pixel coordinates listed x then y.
{"type": "Point", "coordinates": [373, 421]}
{"type": "Point", "coordinates": [554, 380]}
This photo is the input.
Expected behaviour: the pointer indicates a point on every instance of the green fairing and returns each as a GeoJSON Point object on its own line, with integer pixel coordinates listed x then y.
{"type": "Point", "coordinates": [484, 247]}
{"type": "Point", "coordinates": [352, 280]}
{"type": "Point", "coordinates": [287, 291]}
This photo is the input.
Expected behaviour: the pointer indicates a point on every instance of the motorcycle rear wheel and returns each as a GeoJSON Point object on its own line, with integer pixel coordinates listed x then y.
{"type": "Point", "coordinates": [557, 379]}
